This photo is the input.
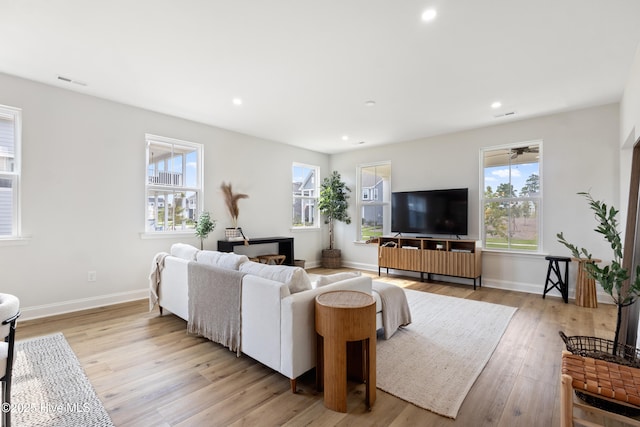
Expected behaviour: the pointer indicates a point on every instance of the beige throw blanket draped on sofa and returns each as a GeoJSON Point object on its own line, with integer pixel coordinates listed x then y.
{"type": "Point", "coordinates": [395, 309]}
{"type": "Point", "coordinates": [215, 298]}
{"type": "Point", "coordinates": [154, 278]}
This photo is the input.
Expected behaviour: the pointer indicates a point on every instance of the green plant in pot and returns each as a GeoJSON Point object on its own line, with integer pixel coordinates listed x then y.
{"type": "Point", "coordinates": [612, 276]}
{"type": "Point", "coordinates": [333, 204]}
{"type": "Point", "coordinates": [204, 226]}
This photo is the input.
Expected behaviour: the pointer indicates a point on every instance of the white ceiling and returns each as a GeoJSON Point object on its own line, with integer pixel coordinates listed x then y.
{"type": "Point", "coordinates": [305, 68]}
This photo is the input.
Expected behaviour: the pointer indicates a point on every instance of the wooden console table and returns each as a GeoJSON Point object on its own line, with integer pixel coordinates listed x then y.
{"type": "Point", "coordinates": [285, 246]}
{"type": "Point", "coordinates": [343, 317]}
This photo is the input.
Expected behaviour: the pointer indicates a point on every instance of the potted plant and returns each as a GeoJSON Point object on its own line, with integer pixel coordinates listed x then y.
{"type": "Point", "coordinates": [231, 200]}
{"type": "Point", "coordinates": [333, 204]}
{"type": "Point", "coordinates": [612, 276]}
{"type": "Point", "coordinates": [204, 226]}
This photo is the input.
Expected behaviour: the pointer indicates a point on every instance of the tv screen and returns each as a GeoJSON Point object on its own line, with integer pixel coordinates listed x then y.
{"type": "Point", "coordinates": [430, 212]}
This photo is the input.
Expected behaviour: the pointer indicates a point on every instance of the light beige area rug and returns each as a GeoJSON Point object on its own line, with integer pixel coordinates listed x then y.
{"type": "Point", "coordinates": [50, 388]}
{"type": "Point", "coordinates": [434, 361]}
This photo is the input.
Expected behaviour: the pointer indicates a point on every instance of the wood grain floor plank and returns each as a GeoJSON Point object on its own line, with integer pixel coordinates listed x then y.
{"type": "Point", "coordinates": [148, 371]}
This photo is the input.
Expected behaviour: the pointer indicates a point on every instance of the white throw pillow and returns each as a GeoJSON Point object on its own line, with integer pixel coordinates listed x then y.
{"type": "Point", "coordinates": [184, 251]}
{"type": "Point", "coordinates": [295, 278]}
{"type": "Point", "coordinates": [228, 260]}
{"type": "Point", "coordinates": [337, 277]}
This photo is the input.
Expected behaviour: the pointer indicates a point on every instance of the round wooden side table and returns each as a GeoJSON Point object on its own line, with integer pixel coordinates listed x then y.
{"type": "Point", "coordinates": [343, 317]}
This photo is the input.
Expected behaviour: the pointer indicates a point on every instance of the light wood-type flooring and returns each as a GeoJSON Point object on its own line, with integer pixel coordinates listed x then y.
{"type": "Point", "coordinates": [149, 372]}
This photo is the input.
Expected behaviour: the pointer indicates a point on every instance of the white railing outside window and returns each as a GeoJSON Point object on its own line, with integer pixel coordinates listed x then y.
{"type": "Point", "coordinates": [173, 185]}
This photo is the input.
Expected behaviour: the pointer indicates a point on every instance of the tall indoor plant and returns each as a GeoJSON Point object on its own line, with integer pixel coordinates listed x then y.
{"type": "Point", "coordinates": [204, 226]}
{"type": "Point", "coordinates": [613, 276]}
{"type": "Point", "coordinates": [333, 204]}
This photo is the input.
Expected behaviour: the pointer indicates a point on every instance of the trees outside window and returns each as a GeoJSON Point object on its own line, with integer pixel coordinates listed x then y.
{"type": "Point", "coordinates": [173, 185]}
{"type": "Point", "coordinates": [511, 197]}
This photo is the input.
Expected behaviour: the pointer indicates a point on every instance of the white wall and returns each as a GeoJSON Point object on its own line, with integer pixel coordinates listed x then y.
{"type": "Point", "coordinates": [581, 153]}
{"type": "Point", "coordinates": [83, 191]}
{"type": "Point", "coordinates": [83, 201]}
{"type": "Point", "coordinates": [630, 104]}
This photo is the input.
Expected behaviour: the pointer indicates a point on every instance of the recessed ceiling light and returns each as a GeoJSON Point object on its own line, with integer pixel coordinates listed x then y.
{"type": "Point", "coordinates": [237, 101]}
{"type": "Point", "coordinates": [429, 15]}
{"type": "Point", "coordinates": [370, 103]}
{"type": "Point", "coordinates": [496, 104]}
{"type": "Point", "coordinates": [345, 137]}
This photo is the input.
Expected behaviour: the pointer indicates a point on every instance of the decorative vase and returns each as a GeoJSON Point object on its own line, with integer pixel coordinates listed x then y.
{"type": "Point", "coordinates": [331, 258]}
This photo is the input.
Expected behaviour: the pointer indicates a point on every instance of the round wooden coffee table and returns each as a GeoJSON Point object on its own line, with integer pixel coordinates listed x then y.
{"type": "Point", "coordinates": [343, 317]}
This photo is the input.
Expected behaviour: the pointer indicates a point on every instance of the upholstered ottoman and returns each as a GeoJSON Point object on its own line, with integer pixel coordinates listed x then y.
{"type": "Point", "coordinates": [392, 306]}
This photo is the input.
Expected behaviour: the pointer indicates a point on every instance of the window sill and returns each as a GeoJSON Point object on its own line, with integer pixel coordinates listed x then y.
{"type": "Point", "coordinates": [294, 229]}
{"type": "Point", "coordinates": [364, 243]}
{"type": "Point", "coordinates": [513, 253]}
{"type": "Point", "coordinates": [167, 235]}
{"type": "Point", "coordinates": [14, 241]}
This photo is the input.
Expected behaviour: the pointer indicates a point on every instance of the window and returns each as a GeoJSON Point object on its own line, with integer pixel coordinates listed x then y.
{"type": "Point", "coordinates": [305, 187]}
{"type": "Point", "coordinates": [374, 200]}
{"type": "Point", "coordinates": [10, 142]}
{"type": "Point", "coordinates": [511, 197]}
{"type": "Point", "coordinates": [173, 184]}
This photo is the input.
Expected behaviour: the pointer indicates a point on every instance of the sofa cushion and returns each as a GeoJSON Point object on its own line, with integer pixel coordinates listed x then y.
{"type": "Point", "coordinates": [184, 251]}
{"type": "Point", "coordinates": [337, 277]}
{"type": "Point", "coordinates": [295, 278]}
{"type": "Point", "coordinates": [228, 260]}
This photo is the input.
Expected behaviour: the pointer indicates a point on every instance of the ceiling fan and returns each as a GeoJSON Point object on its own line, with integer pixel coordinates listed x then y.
{"type": "Point", "coordinates": [519, 151]}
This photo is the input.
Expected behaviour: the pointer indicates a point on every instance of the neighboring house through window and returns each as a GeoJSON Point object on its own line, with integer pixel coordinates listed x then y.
{"type": "Point", "coordinates": [374, 200]}
{"type": "Point", "coordinates": [511, 197]}
{"type": "Point", "coordinates": [305, 188]}
{"type": "Point", "coordinates": [10, 143]}
{"type": "Point", "coordinates": [173, 185]}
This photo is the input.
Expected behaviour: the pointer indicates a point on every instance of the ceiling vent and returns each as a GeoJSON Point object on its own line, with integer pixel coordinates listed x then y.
{"type": "Point", "coordinates": [68, 80]}
{"type": "Point", "coordinates": [511, 113]}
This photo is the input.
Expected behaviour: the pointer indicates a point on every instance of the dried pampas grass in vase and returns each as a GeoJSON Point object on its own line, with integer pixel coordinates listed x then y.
{"type": "Point", "coordinates": [231, 200]}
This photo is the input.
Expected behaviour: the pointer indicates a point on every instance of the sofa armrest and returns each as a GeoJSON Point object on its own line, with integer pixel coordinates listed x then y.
{"type": "Point", "coordinates": [261, 299]}
{"type": "Point", "coordinates": [173, 291]}
{"type": "Point", "coordinates": [298, 332]}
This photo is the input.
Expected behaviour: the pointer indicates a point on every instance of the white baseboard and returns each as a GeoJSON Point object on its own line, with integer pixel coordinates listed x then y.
{"type": "Point", "coordinates": [530, 288]}
{"type": "Point", "coordinates": [35, 312]}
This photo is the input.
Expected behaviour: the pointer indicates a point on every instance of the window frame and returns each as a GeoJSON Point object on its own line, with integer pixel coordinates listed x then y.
{"type": "Point", "coordinates": [361, 203]}
{"type": "Point", "coordinates": [536, 199]}
{"type": "Point", "coordinates": [198, 189]}
{"type": "Point", "coordinates": [14, 115]}
{"type": "Point", "coordinates": [315, 199]}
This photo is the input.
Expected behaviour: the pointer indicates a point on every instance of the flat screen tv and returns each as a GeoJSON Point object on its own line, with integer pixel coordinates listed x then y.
{"type": "Point", "coordinates": [430, 212]}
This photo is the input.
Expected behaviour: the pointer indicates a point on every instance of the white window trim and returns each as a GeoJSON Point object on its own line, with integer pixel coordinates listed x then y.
{"type": "Point", "coordinates": [200, 176]}
{"type": "Point", "coordinates": [360, 203]}
{"type": "Point", "coordinates": [316, 225]}
{"type": "Point", "coordinates": [16, 237]}
{"type": "Point", "coordinates": [540, 218]}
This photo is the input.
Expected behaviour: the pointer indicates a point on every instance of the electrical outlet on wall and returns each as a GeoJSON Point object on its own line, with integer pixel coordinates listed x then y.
{"type": "Point", "coordinates": [91, 276]}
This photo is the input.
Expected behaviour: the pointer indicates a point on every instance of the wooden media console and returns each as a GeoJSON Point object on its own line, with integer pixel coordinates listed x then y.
{"type": "Point", "coordinates": [447, 257]}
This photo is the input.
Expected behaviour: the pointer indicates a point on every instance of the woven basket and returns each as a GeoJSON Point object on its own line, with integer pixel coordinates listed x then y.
{"type": "Point", "coordinates": [331, 258]}
{"type": "Point", "coordinates": [602, 349]}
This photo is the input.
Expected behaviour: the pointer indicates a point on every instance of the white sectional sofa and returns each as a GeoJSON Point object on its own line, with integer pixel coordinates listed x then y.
{"type": "Point", "coordinates": [277, 305]}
